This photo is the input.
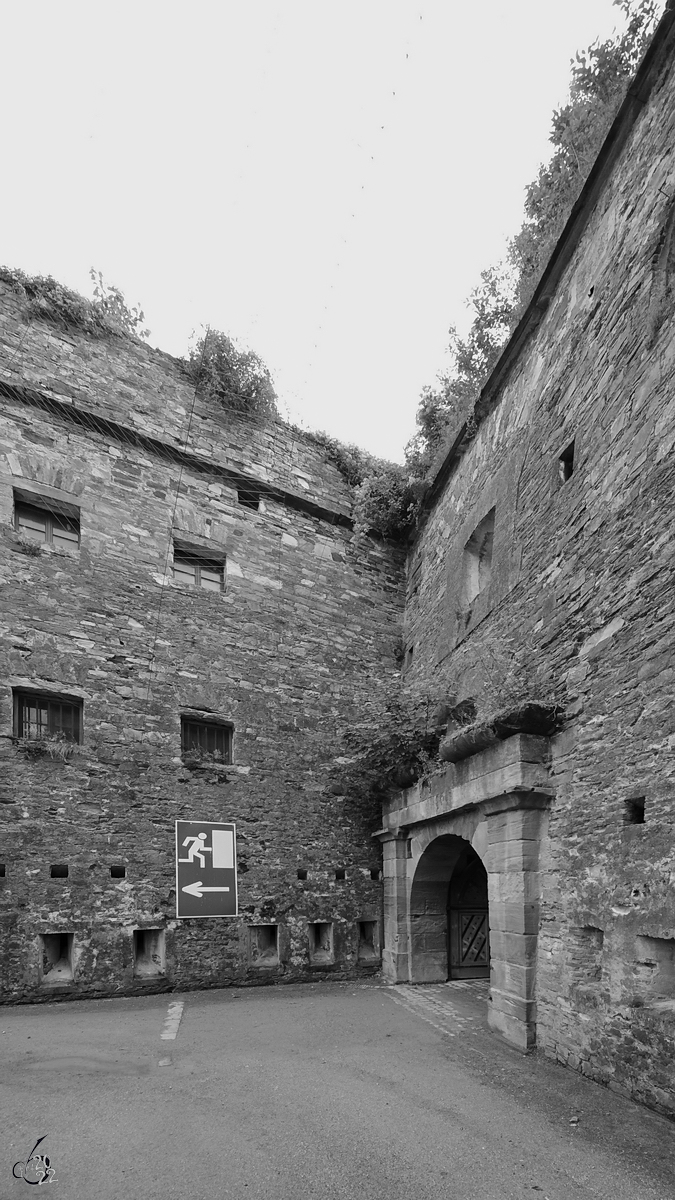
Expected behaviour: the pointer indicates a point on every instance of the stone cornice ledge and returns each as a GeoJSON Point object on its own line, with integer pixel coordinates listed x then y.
{"type": "Point", "coordinates": [520, 764]}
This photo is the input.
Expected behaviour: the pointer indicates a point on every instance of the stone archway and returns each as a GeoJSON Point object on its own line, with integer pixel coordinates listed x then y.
{"type": "Point", "coordinates": [469, 919]}
{"type": "Point", "coordinates": [430, 927]}
{"type": "Point", "coordinates": [496, 801]}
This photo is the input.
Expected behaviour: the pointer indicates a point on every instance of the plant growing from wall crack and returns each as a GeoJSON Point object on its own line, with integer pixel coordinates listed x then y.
{"type": "Point", "coordinates": [486, 685]}
{"type": "Point", "coordinates": [52, 745]}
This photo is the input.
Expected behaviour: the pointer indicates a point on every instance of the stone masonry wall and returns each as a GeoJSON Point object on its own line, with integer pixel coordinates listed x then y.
{"type": "Point", "coordinates": [122, 379]}
{"type": "Point", "coordinates": [307, 629]}
{"type": "Point", "coordinates": [583, 575]}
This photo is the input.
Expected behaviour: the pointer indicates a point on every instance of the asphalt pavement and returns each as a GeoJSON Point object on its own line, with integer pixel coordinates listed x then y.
{"type": "Point", "coordinates": [298, 1092]}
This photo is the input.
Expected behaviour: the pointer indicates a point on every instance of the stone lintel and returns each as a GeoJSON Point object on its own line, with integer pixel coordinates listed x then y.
{"type": "Point", "coordinates": [512, 774]}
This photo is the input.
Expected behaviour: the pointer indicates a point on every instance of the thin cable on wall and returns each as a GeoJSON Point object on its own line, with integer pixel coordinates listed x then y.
{"type": "Point", "coordinates": [151, 660]}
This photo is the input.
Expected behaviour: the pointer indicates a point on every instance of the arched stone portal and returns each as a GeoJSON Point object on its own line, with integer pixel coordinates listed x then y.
{"type": "Point", "coordinates": [495, 804]}
{"type": "Point", "coordinates": [468, 919]}
{"type": "Point", "coordinates": [449, 913]}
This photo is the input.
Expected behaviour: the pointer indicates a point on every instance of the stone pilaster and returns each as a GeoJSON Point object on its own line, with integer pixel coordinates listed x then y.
{"type": "Point", "coordinates": [396, 948]}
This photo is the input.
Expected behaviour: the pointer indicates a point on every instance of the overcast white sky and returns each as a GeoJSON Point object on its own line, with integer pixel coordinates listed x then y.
{"type": "Point", "coordinates": [323, 181]}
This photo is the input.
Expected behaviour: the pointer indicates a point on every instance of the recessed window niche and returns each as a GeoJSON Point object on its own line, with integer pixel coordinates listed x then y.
{"type": "Point", "coordinates": [477, 560]}
{"type": "Point", "coordinates": [566, 463]}
{"type": "Point", "coordinates": [655, 968]}
{"type": "Point", "coordinates": [634, 811]}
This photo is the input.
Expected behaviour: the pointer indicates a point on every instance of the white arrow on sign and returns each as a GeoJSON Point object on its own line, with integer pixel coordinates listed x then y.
{"type": "Point", "coordinates": [196, 889]}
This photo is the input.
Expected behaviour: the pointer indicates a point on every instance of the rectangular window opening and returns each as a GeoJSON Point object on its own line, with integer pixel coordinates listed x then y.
{"type": "Point", "coordinates": [302, 873]}
{"type": "Point", "coordinates": [206, 741]}
{"type": "Point", "coordinates": [56, 964]}
{"type": "Point", "coordinates": [634, 811]}
{"type": "Point", "coordinates": [59, 870]}
{"type": "Point", "coordinates": [47, 718]}
{"type": "Point", "coordinates": [149, 957]}
{"type": "Point", "coordinates": [249, 498]}
{"type": "Point", "coordinates": [340, 874]}
{"type": "Point", "coordinates": [195, 568]}
{"type": "Point", "coordinates": [263, 945]}
{"type": "Point", "coordinates": [3, 870]}
{"type": "Point", "coordinates": [47, 525]}
{"type": "Point", "coordinates": [321, 942]}
{"type": "Point", "coordinates": [118, 871]}
{"type": "Point", "coordinates": [566, 463]}
{"type": "Point", "coordinates": [368, 948]}
{"type": "Point", "coordinates": [375, 874]}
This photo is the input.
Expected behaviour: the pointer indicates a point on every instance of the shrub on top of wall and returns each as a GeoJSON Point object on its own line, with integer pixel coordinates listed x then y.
{"type": "Point", "coordinates": [45, 299]}
{"type": "Point", "coordinates": [237, 379]}
{"type": "Point", "coordinates": [386, 498]}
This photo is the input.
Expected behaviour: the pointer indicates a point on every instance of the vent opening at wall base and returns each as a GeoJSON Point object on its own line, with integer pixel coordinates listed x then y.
{"type": "Point", "coordinates": [320, 942]}
{"type": "Point", "coordinates": [56, 958]}
{"type": "Point", "coordinates": [149, 957]}
{"type": "Point", "coordinates": [368, 947]}
{"type": "Point", "coordinates": [634, 811]}
{"type": "Point", "coordinates": [263, 945]}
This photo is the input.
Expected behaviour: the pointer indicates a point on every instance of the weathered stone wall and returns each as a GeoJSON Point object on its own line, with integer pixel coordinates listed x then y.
{"type": "Point", "coordinates": [583, 575]}
{"type": "Point", "coordinates": [121, 379]}
{"type": "Point", "coordinates": [307, 629]}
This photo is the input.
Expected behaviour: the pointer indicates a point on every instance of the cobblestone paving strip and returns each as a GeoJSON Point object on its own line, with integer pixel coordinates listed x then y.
{"type": "Point", "coordinates": [434, 1003]}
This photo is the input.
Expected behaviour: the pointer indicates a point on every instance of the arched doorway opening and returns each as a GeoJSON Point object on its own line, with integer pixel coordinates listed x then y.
{"type": "Point", "coordinates": [468, 919]}
{"type": "Point", "coordinates": [449, 919]}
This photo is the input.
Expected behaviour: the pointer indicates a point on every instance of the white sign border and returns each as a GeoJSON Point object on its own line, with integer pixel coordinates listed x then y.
{"type": "Point", "coordinates": [208, 916]}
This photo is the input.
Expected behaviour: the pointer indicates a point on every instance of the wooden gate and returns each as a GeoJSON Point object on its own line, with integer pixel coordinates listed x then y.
{"type": "Point", "coordinates": [468, 920]}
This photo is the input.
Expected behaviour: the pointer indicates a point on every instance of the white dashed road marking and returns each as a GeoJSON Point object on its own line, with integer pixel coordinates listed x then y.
{"type": "Point", "coordinates": [172, 1021]}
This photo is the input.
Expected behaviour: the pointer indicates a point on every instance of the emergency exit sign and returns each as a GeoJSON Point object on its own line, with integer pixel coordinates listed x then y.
{"type": "Point", "coordinates": [206, 869]}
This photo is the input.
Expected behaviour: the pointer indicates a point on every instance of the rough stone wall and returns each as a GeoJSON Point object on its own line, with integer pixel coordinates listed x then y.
{"type": "Point", "coordinates": [124, 380]}
{"type": "Point", "coordinates": [307, 629]}
{"type": "Point", "coordinates": [583, 575]}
